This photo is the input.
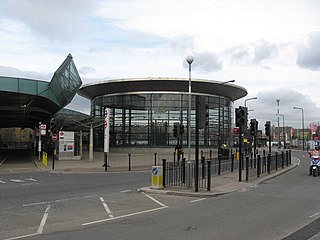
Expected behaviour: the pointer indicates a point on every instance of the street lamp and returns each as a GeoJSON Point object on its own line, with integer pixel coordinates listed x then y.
{"type": "Point", "coordinates": [219, 121]}
{"type": "Point", "coordinates": [278, 102]}
{"type": "Point", "coordinates": [283, 132]}
{"type": "Point", "coordinates": [248, 99]}
{"type": "Point", "coordinates": [302, 116]}
{"type": "Point", "coordinates": [189, 60]}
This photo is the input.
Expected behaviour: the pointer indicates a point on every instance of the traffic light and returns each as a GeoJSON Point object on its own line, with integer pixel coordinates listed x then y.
{"type": "Point", "coordinates": [241, 117]}
{"type": "Point", "coordinates": [253, 127]}
{"type": "Point", "coordinates": [53, 125]}
{"type": "Point", "coordinates": [203, 114]}
{"type": "Point", "coordinates": [176, 130]}
{"type": "Point", "coordinates": [267, 128]}
{"type": "Point", "coordinates": [181, 129]}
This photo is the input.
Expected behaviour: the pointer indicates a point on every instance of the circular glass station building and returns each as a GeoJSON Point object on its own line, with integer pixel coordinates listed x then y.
{"type": "Point", "coordinates": [145, 110]}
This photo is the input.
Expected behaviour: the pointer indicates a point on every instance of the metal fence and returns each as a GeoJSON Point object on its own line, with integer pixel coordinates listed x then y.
{"type": "Point", "coordinates": [183, 173]}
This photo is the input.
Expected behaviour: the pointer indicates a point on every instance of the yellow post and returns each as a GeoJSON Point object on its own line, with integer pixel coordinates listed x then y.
{"type": "Point", "coordinates": [44, 159]}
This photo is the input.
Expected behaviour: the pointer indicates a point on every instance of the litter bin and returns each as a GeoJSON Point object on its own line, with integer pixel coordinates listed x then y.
{"type": "Point", "coordinates": [156, 177]}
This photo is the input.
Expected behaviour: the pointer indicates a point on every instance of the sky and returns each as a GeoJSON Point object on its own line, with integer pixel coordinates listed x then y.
{"type": "Point", "coordinates": [270, 47]}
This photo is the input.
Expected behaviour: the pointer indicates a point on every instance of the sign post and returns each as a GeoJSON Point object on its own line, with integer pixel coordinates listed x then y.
{"type": "Point", "coordinates": [54, 138]}
{"type": "Point", "coordinates": [106, 137]}
{"type": "Point", "coordinates": [39, 142]}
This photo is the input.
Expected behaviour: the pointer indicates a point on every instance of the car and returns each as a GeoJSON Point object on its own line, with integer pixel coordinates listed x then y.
{"type": "Point", "coordinates": [4, 146]}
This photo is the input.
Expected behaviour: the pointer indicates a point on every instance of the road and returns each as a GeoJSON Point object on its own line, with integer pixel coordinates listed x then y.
{"type": "Point", "coordinates": [53, 205]}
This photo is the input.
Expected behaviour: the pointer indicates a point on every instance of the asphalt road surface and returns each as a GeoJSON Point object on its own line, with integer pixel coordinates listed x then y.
{"type": "Point", "coordinates": [52, 205]}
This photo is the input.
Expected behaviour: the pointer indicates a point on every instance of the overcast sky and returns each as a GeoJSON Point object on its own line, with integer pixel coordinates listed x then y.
{"type": "Point", "coordinates": [270, 47]}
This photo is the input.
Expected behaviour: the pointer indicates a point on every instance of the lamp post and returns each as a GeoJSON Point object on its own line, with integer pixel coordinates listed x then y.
{"type": "Point", "coordinates": [219, 121]}
{"type": "Point", "coordinates": [189, 60]}
{"type": "Point", "coordinates": [278, 102]}
{"type": "Point", "coordinates": [283, 132]}
{"type": "Point", "coordinates": [302, 117]}
{"type": "Point", "coordinates": [248, 99]}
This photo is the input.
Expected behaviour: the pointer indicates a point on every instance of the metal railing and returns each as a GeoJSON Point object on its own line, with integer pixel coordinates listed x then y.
{"type": "Point", "coordinates": [179, 173]}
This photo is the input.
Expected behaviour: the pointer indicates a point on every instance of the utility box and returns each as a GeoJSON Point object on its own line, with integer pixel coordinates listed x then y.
{"type": "Point", "coordinates": [156, 177]}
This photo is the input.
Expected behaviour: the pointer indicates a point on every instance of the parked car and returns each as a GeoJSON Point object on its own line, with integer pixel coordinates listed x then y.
{"type": "Point", "coordinates": [4, 146]}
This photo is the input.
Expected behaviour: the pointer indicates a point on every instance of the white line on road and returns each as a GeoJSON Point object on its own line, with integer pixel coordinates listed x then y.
{"type": "Point", "coordinates": [197, 200]}
{"type": "Point", "coordinates": [23, 236]}
{"type": "Point", "coordinates": [17, 180]}
{"type": "Point", "coordinates": [161, 204]}
{"type": "Point", "coordinates": [313, 215]}
{"type": "Point", "coordinates": [125, 191]}
{"type": "Point", "coordinates": [44, 219]}
{"type": "Point", "coordinates": [31, 179]}
{"type": "Point", "coordinates": [2, 181]}
{"type": "Point", "coordinates": [5, 158]}
{"type": "Point", "coordinates": [58, 200]}
{"type": "Point", "coordinates": [106, 207]}
{"type": "Point", "coordinates": [123, 216]}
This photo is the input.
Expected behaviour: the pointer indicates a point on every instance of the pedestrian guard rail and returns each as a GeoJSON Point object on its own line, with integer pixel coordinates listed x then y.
{"type": "Point", "coordinates": [183, 173]}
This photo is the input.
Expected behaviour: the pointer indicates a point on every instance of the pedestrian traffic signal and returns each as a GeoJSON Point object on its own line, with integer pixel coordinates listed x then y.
{"type": "Point", "coordinates": [203, 114]}
{"type": "Point", "coordinates": [53, 125]}
{"type": "Point", "coordinates": [253, 127]}
{"type": "Point", "coordinates": [176, 130]}
{"type": "Point", "coordinates": [241, 117]}
{"type": "Point", "coordinates": [267, 128]}
{"type": "Point", "coordinates": [181, 129]}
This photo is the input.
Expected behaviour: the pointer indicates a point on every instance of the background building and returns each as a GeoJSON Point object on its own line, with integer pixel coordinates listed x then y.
{"type": "Point", "coordinates": [144, 110]}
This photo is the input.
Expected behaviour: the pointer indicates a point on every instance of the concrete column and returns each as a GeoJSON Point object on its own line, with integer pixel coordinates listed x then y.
{"type": "Point", "coordinates": [91, 144]}
{"type": "Point", "coordinates": [80, 140]}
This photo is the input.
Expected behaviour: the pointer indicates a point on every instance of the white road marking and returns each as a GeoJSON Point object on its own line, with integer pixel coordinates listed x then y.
{"type": "Point", "coordinates": [58, 200]}
{"type": "Point", "coordinates": [4, 159]}
{"type": "Point", "coordinates": [313, 215]}
{"type": "Point", "coordinates": [123, 216]}
{"type": "Point", "coordinates": [106, 207]}
{"type": "Point", "coordinates": [17, 180]}
{"type": "Point", "coordinates": [31, 179]}
{"type": "Point", "coordinates": [197, 200]}
{"type": "Point", "coordinates": [161, 204]}
{"type": "Point", "coordinates": [44, 219]}
{"type": "Point", "coordinates": [2, 181]}
{"type": "Point", "coordinates": [23, 236]}
{"type": "Point", "coordinates": [125, 191]}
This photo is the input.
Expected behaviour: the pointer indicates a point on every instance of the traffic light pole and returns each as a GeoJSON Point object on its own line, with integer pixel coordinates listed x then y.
{"type": "Point", "coordinates": [240, 153]}
{"type": "Point", "coordinates": [255, 146]}
{"type": "Point", "coordinates": [196, 168]}
{"type": "Point", "coordinates": [270, 144]}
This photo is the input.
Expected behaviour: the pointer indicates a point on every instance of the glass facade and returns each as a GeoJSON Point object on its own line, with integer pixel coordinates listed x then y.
{"type": "Point", "coordinates": [147, 119]}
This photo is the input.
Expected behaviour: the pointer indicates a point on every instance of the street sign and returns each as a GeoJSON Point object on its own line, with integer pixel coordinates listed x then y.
{"type": "Point", "coordinates": [54, 137]}
{"type": "Point", "coordinates": [43, 129]}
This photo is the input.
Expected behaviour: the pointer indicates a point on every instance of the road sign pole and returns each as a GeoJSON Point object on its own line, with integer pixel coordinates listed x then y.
{"type": "Point", "coordinates": [53, 155]}
{"type": "Point", "coordinates": [106, 137]}
{"type": "Point", "coordinates": [39, 142]}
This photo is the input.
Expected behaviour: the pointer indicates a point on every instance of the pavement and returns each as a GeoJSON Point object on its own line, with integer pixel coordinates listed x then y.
{"type": "Point", "coordinates": [220, 184]}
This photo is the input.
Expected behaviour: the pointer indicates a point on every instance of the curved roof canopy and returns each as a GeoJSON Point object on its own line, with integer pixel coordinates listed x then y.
{"type": "Point", "coordinates": [26, 102]}
{"type": "Point", "coordinates": [119, 86]}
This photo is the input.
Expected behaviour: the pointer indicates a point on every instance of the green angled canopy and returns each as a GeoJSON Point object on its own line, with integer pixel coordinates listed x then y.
{"type": "Point", "coordinates": [26, 102]}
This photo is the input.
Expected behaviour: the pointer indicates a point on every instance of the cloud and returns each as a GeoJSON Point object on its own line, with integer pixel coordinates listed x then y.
{"type": "Point", "coordinates": [309, 52]}
{"type": "Point", "coordinates": [86, 70]}
{"type": "Point", "coordinates": [182, 43]}
{"type": "Point", "coordinates": [263, 50]}
{"type": "Point", "coordinates": [239, 53]}
{"type": "Point", "coordinates": [205, 62]}
{"type": "Point", "coordinates": [59, 19]}
{"type": "Point", "coordinates": [15, 72]}
{"type": "Point", "coordinates": [253, 53]}
{"type": "Point", "coordinates": [265, 108]}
